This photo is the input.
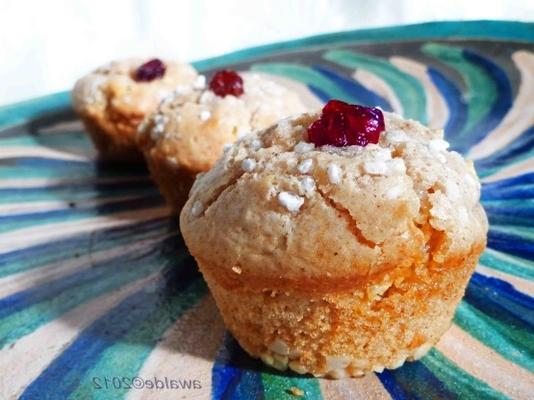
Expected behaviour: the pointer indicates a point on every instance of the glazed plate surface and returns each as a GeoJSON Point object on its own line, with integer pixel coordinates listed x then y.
{"type": "Point", "coordinates": [100, 299]}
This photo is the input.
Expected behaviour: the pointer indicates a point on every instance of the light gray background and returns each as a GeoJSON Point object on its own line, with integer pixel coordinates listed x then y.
{"type": "Point", "coordinates": [46, 45]}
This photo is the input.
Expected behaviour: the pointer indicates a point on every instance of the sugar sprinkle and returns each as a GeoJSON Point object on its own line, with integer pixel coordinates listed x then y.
{"type": "Point", "coordinates": [438, 145]}
{"type": "Point", "coordinates": [308, 184]}
{"type": "Point", "coordinates": [397, 136]}
{"type": "Point", "coordinates": [290, 201]}
{"type": "Point", "coordinates": [452, 189]}
{"type": "Point", "coordinates": [248, 164]}
{"type": "Point", "coordinates": [334, 174]}
{"type": "Point", "coordinates": [256, 144]}
{"type": "Point", "coordinates": [393, 192]}
{"type": "Point", "coordinates": [200, 82]}
{"type": "Point", "coordinates": [205, 115]}
{"type": "Point", "coordinates": [305, 166]}
{"type": "Point", "coordinates": [304, 147]}
{"type": "Point", "coordinates": [375, 167]}
{"type": "Point", "coordinates": [197, 208]}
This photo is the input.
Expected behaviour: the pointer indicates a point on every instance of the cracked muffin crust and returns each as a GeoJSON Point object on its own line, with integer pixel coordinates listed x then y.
{"type": "Point", "coordinates": [337, 261]}
{"type": "Point", "coordinates": [188, 132]}
{"type": "Point", "coordinates": [112, 102]}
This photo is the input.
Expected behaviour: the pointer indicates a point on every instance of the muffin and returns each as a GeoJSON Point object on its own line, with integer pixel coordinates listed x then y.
{"type": "Point", "coordinates": [115, 98]}
{"type": "Point", "coordinates": [337, 244]}
{"type": "Point", "coordinates": [188, 132]}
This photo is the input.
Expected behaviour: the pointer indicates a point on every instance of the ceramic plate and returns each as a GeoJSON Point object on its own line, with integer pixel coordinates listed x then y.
{"type": "Point", "coordinates": [100, 299]}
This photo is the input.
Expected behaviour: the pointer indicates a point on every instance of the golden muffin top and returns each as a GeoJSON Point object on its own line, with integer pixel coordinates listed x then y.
{"type": "Point", "coordinates": [119, 87]}
{"type": "Point", "coordinates": [280, 210]}
{"type": "Point", "coordinates": [192, 126]}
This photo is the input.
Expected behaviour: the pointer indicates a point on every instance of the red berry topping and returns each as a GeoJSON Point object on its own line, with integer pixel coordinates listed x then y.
{"type": "Point", "coordinates": [342, 124]}
{"type": "Point", "coordinates": [153, 69]}
{"type": "Point", "coordinates": [227, 82]}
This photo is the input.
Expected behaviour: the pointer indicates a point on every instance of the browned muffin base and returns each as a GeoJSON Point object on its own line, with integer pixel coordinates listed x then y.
{"type": "Point", "coordinates": [394, 317]}
{"type": "Point", "coordinates": [112, 144]}
{"type": "Point", "coordinates": [173, 181]}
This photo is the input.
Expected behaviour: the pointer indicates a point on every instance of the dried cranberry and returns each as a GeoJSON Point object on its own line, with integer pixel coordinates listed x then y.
{"type": "Point", "coordinates": [343, 124]}
{"type": "Point", "coordinates": [227, 82]}
{"type": "Point", "coordinates": [150, 70]}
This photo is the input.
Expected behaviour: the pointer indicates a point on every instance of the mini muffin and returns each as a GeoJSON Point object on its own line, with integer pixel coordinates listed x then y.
{"type": "Point", "coordinates": [188, 132]}
{"type": "Point", "coordinates": [114, 99]}
{"type": "Point", "coordinates": [337, 244]}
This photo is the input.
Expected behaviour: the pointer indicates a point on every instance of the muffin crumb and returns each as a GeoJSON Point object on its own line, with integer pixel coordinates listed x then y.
{"type": "Point", "coordinates": [295, 391]}
{"type": "Point", "coordinates": [237, 270]}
